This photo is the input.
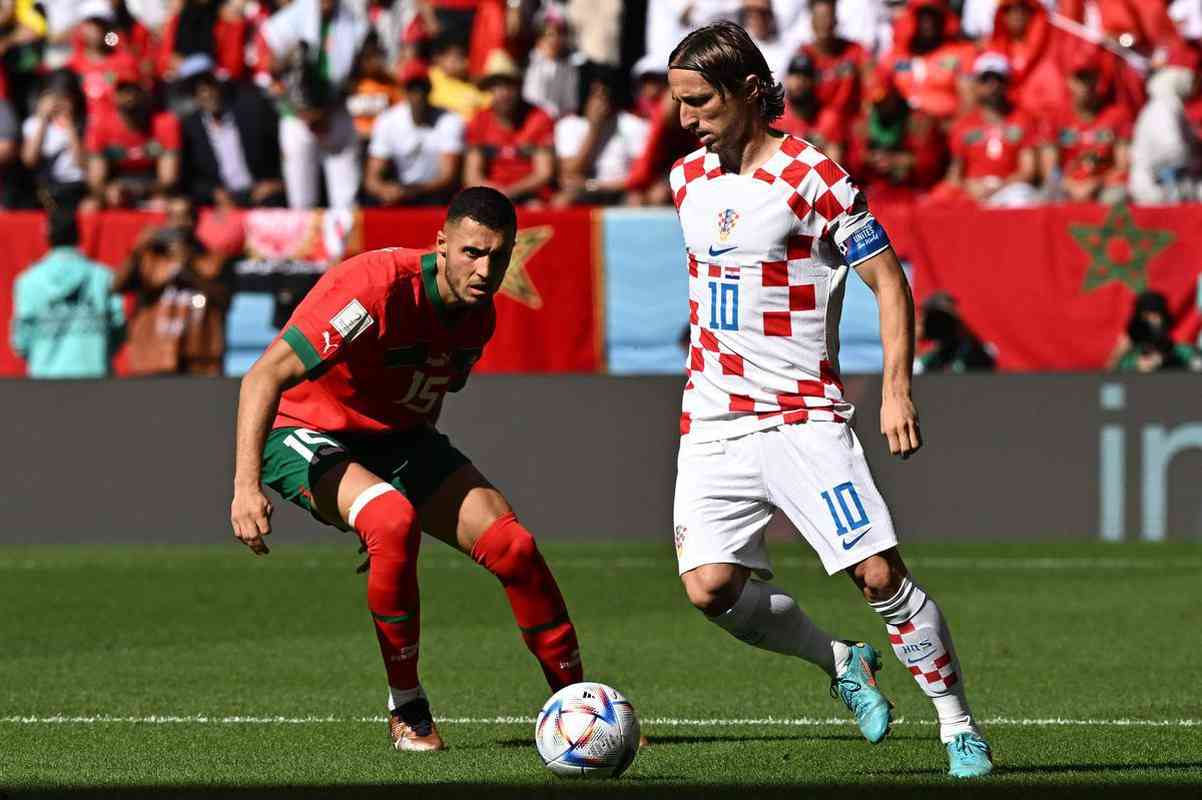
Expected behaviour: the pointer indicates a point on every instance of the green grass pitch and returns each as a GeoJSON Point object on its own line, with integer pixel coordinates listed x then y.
{"type": "Point", "coordinates": [188, 671]}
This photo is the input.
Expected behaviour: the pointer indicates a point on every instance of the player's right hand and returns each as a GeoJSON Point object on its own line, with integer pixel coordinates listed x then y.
{"type": "Point", "coordinates": [250, 515]}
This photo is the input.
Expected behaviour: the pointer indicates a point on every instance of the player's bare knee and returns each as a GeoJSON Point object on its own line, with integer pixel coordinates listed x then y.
{"type": "Point", "coordinates": [711, 596]}
{"type": "Point", "coordinates": [879, 577]}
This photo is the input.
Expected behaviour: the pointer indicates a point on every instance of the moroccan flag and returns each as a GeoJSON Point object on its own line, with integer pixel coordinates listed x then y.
{"type": "Point", "coordinates": [548, 314]}
{"type": "Point", "coordinates": [1052, 288]}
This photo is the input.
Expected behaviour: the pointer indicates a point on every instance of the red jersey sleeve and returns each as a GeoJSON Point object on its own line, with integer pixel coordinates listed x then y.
{"type": "Point", "coordinates": [341, 309]}
{"type": "Point", "coordinates": [955, 140]}
{"type": "Point", "coordinates": [93, 138]}
{"type": "Point", "coordinates": [474, 135]}
{"type": "Point", "coordinates": [167, 131]}
{"type": "Point", "coordinates": [1035, 134]}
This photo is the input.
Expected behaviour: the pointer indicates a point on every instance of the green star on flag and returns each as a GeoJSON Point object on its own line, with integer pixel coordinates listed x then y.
{"type": "Point", "coordinates": [1119, 250]}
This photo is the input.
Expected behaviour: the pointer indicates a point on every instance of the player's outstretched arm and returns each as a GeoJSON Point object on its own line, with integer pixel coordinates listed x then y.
{"type": "Point", "coordinates": [258, 399]}
{"type": "Point", "coordinates": [899, 418]}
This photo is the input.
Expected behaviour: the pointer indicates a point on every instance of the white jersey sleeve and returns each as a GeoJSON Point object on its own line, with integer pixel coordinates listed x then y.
{"type": "Point", "coordinates": [767, 257]}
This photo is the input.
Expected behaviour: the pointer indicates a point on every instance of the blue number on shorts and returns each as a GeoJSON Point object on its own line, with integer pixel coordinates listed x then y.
{"type": "Point", "coordinates": [724, 306]}
{"type": "Point", "coordinates": [842, 492]}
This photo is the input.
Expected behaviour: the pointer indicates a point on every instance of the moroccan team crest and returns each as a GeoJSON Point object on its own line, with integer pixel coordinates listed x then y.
{"type": "Point", "coordinates": [727, 218]}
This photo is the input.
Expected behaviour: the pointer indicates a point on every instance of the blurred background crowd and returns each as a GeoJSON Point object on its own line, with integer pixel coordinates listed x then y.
{"type": "Point", "coordinates": [169, 106]}
{"type": "Point", "coordinates": [342, 103]}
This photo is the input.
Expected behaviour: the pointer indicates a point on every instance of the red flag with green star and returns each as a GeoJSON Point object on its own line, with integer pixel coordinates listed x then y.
{"type": "Point", "coordinates": [1052, 288]}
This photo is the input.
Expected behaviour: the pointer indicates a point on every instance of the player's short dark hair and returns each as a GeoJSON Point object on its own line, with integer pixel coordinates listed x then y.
{"type": "Point", "coordinates": [485, 205]}
{"type": "Point", "coordinates": [725, 55]}
{"type": "Point", "coordinates": [62, 230]}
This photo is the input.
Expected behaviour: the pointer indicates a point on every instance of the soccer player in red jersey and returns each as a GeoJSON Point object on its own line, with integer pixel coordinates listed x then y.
{"type": "Point", "coordinates": [338, 416]}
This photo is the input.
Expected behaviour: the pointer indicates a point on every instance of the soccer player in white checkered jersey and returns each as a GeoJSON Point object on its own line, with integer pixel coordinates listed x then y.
{"type": "Point", "coordinates": [771, 227]}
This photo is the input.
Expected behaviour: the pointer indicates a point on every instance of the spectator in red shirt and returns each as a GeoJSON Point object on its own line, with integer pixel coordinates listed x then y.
{"type": "Point", "coordinates": [650, 74]}
{"type": "Point", "coordinates": [1090, 140]}
{"type": "Point", "coordinates": [895, 151]}
{"type": "Point", "coordinates": [929, 63]}
{"type": "Point", "coordinates": [133, 153]}
{"type": "Point", "coordinates": [805, 117]}
{"type": "Point", "coordinates": [1041, 56]}
{"type": "Point", "coordinates": [101, 62]}
{"type": "Point", "coordinates": [841, 64]}
{"type": "Point", "coordinates": [214, 28]}
{"type": "Point", "coordinates": [1143, 25]}
{"type": "Point", "coordinates": [994, 146]}
{"type": "Point", "coordinates": [510, 144]}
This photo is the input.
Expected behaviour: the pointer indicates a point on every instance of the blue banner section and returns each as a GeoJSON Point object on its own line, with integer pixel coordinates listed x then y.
{"type": "Point", "coordinates": [859, 328]}
{"type": "Point", "coordinates": [646, 297]}
{"type": "Point", "coordinates": [646, 292]}
{"type": "Point", "coordinates": [248, 330]}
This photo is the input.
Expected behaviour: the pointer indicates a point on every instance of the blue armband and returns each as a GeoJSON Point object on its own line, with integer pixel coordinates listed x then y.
{"type": "Point", "coordinates": [864, 243]}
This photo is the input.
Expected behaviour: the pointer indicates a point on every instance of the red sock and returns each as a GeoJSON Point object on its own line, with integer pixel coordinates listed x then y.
{"type": "Point", "coordinates": [387, 523]}
{"type": "Point", "coordinates": [508, 551]}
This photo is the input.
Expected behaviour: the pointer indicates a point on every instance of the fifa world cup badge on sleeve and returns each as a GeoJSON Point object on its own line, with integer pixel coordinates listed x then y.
{"type": "Point", "coordinates": [352, 320]}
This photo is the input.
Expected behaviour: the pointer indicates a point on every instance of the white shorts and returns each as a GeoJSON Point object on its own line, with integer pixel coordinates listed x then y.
{"type": "Point", "coordinates": [814, 472]}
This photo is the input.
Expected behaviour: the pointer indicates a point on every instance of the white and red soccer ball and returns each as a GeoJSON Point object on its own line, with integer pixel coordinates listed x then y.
{"type": "Point", "coordinates": [587, 730]}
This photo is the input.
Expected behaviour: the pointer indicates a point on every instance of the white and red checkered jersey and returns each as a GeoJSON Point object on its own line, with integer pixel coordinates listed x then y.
{"type": "Point", "coordinates": [767, 257]}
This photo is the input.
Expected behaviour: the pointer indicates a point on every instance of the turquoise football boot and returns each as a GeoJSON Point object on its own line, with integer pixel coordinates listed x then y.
{"type": "Point", "coordinates": [969, 756]}
{"type": "Point", "coordinates": [859, 692]}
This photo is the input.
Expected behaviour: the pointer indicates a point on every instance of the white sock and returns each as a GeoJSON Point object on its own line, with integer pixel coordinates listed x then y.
{"type": "Point", "coordinates": [768, 618]}
{"type": "Point", "coordinates": [399, 697]}
{"type": "Point", "coordinates": [922, 642]}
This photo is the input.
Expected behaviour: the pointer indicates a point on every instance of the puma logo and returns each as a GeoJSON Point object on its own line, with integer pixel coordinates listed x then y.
{"type": "Point", "coordinates": [329, 345]}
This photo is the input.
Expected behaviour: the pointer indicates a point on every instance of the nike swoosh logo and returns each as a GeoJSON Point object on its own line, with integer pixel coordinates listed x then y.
{"type": "Point", "coordinates": [850, 543]}
{"type": "Point", "coordinates": [715, 253]}
{"type": "Point", "coordinates": [915, 660]}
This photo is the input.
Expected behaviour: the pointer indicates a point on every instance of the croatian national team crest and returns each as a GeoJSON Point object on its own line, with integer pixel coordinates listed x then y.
{"type": "Point", "coordinates": [680, 533]}
{"type": "Point", "coordinates": [727, 219]}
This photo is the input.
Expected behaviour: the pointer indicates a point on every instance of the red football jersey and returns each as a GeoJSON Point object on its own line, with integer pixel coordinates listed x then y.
{"type": "Point", "coordinates": [1087, 147]}
{"type": "Point", "coordinates": [827, 128]}
{"type": "Point", "coordinates": [839, 75]}
{"type": "Point", "coordinates": [988, 148]}
{"type": "Point", "coordinates": [509, 152]}
{"type": "Point", "coordinates": [131, 150]}
{"type": "Point", "coordinates": [99, 78]}
{"type": "Point", "coordinates": [380, 347]}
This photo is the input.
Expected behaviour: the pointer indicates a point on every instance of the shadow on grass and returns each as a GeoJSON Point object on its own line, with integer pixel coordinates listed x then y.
{"type": "Point", "coordinates": [625, 788]}
{"type": "Point", "coordinates": [517, 743]}
{"type": "Point", "coordinates": [1053, 769]}
{"type": "Point", "coordinates": [1041, 769]}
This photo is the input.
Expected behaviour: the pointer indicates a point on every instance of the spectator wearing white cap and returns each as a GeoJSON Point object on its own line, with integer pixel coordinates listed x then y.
{"type": "Point", "coordinates": [994, 146]}
{"type": "Point", "coordinates": [650, 75]}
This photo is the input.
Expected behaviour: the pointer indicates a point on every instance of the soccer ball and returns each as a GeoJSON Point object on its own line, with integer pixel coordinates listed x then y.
{"type": "Point", "coordinates": [587, 730]}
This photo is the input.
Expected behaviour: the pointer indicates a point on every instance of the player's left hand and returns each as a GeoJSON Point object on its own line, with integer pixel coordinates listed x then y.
{"type": "Point", "coordinates": [899, 424]}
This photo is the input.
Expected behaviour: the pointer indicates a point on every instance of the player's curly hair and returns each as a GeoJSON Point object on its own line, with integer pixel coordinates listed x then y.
{"type": "Point", "coordinates": [485, 205]}
{"type": "Point", "coordinates": [725, 55]}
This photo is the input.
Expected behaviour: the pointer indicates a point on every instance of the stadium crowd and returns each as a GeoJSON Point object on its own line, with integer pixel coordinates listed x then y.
{"type": "Point", "coordinates": [170, 105]}
{"type": "Point", "coordinates": [340, 103]}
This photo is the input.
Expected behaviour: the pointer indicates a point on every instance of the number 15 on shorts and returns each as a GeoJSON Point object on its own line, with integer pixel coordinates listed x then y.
{"type": "Point", "coordinates": [846, 509]}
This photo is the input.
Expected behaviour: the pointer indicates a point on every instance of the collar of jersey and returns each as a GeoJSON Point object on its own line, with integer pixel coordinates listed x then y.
{"type": "Point", "coordinates": [429, 281]}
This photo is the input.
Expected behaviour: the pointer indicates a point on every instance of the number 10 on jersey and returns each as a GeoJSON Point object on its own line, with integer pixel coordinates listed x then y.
{"type": "Point", "coordinates": [724, 306]}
